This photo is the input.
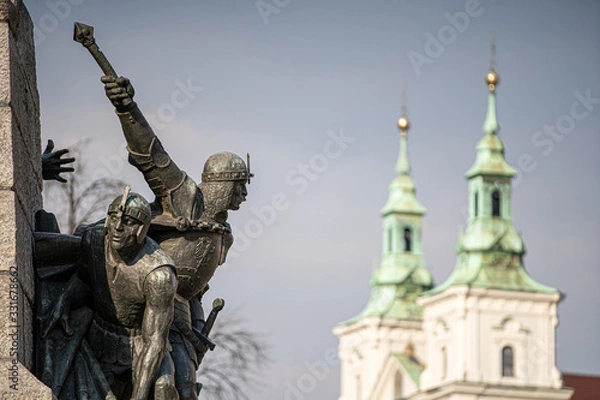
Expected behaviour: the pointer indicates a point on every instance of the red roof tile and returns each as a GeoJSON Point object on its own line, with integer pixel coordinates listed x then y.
{"type": "Point", "coordinates": [586, 387]}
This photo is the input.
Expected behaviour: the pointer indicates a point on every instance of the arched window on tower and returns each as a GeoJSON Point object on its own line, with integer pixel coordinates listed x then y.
{"type": "Point", "coordinates": [444, 364]}
{"type": "Point", "coordinates": [508, 361]}
{"type": "Point", "coordinates": [496, 203]}
{"type": "Point", "coordinates": [476, 204]}
{"type": "Point", "coordinates": [397, 385]}
{"type": "Point", "coordinates": [407, 239]}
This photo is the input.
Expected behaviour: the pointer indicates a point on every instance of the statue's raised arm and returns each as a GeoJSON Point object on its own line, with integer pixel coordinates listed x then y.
{"type": "Point", "coordinates": [177, 198]}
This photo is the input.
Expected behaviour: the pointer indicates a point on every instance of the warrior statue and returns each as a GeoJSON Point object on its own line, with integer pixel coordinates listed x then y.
{"type": "Point", "coordinates": [129, 283]}
{"type": "Point", "coordinates": [189, 222]}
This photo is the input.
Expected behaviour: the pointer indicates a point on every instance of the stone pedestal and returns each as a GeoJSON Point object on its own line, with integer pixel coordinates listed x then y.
{"type": "Point", "coordinates": [20, 198]}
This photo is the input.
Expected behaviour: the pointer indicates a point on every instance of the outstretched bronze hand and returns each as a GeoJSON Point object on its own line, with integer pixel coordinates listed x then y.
{"type": "Point", "coordinates": [52, 163]}
{"type": "Point", "coordinates": [120, 92]}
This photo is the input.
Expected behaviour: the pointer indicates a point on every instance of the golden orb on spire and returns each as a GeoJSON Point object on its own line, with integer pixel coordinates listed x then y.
{"type": "Point", "coordinates": [492, 79]}
{"type": "Point", "coordinates": [403, 123]}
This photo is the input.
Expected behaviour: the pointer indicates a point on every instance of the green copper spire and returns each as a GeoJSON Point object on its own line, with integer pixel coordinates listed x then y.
{"type": "Point", "coordinates": [402, 198]}
{"type": "Point", "coordinates": [490, 252]}
{"type": "Point", "coordinates": [402, 166]}
{"type": "Point", "coordinates": [402, 275]}
{"type": "Point", "coordinates": [490, 126]}
{"type": "Point", "coordinates": [490, 149]}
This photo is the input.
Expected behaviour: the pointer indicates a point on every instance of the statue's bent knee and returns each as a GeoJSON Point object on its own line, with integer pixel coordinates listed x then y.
{"type": "Point", "coordinates": [164, 388]}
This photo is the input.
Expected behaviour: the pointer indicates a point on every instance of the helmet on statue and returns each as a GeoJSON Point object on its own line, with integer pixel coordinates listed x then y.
{"type": "Point", "coordinates": [226, 166]}
{"type": "Point", "coordinates": [135, 206]}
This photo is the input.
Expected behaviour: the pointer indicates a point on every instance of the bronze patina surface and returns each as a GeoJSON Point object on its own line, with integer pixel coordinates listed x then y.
{"type": "Point", "coordinates": [106, 335]}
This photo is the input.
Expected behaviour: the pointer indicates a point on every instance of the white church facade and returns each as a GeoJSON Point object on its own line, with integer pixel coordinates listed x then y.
{"type": "Point", "coordinates": [488, 332]}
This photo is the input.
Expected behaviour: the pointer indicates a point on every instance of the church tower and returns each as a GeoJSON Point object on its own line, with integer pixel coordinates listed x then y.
{"type": "Point", "coordinates": [381, 349]}
{"type": "Point", "coordinates": [490, 328]}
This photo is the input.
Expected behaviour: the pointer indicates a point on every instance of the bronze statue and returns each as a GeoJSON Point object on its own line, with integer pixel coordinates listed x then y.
{"type": "Point", "coordinates": [129, 283]}
{"type": "Point", "coordinates": [52, 163]}
{"type": "Point", "coordinates": [189, 221]}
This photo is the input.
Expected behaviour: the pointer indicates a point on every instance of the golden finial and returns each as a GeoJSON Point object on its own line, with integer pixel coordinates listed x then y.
{"type": "Point", "coordinates": [403, 122]}
{"type": "Point", "coordinates": [492, 77]}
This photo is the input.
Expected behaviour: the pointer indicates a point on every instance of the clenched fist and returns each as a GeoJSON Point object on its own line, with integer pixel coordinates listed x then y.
{"type": "Point", "coordinates": [120, 92]}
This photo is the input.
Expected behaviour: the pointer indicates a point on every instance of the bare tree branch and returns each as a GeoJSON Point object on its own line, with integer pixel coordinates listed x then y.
{"type": "Point", "coordinates": [235, 367]}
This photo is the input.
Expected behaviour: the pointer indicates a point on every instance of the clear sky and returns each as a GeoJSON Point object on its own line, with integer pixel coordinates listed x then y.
{"type": "Point", "coordinates": [312, 90]}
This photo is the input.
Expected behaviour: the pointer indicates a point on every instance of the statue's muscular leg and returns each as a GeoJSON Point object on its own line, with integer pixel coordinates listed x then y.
{"type": "Point", "coordinates": [185, 372]}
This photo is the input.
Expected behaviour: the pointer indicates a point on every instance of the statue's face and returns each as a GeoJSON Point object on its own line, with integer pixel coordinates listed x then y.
{"type": "Point", "coordinates": [238, 195]}
{"type": "Point", "coordinates": [122, 232]}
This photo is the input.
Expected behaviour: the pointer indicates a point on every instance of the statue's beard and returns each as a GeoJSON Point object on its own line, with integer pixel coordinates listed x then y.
{"type": "Point", "coordinates": [217, 199]}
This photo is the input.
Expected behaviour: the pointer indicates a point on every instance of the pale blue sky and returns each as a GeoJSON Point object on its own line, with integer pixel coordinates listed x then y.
{"type": "Point", "coordinates": [281, 89]}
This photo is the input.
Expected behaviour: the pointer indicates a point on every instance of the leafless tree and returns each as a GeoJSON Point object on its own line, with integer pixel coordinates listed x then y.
{"type": "Point", "coordinates": [234, 368]}
{"type": "Point", "coordinates": [81, 199]}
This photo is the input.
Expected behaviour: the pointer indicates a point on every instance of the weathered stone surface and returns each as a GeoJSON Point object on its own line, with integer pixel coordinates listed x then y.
{"type": "Point", "coordinates": [16, 317]}
{"type": "Point", "coordinates": [8, 243]}
{"type": "Point", "coordinates": [16, 241]}
{"type": "Point", "coordinates": [20, 198]}
{"type": "Point", "coordinates": [6, 165]}
{"type": "Point", "coordinates": [20, 102]}
{"type": "Point", "coordinates": [24, 262]}
{"type": "Point", "coordinates": [26, 318]}
{"type": "Point", "coordinates": [28, 386]}
{"type": "Point", "coordinates": [26, 48]}
{"type": "Point", "coordinates": [23, 100]}
{"type": "Point", "coordinates": [9, 12]}
{"type": "Point", "coordinates": [4, 63]}
{"type": "Point", "coordinates": [27, 192]}
{"type": "Point", "coordinates": [5, 8]}
{"type": "Point", "coordinates": [10, 332]}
